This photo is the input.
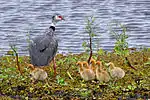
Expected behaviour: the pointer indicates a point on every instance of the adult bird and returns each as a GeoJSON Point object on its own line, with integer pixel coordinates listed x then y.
{"type": "Point", "coordinates": [43, 48]}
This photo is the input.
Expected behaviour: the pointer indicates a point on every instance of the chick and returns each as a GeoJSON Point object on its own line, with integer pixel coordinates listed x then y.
{"type": "Point", "coordinates": [37, 73]}
{"type": "Point", "coordinates": [115, 72]}
{"type": "Point", "coordinates": [85, 71]}
{"type": "Point", "coordinates": [80, 64]}
{"type": "Point", "coordinates": [93, 65]}
{"type": "Point", "coordinates": [101, 74]}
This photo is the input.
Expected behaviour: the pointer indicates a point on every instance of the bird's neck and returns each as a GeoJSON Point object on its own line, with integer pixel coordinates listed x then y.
{"type": "Point", "coordinates": [51, 29]}
{"type": "Point", "coordinates": [53, 22]}
{"type": "Point", "coordinates": [98, 69]}
{"type": "Point", "coordinates": [53, 25]}
{"type": "Point", "coordinates": [112, 66]}
{"type": "Point", "coordinates": [81, 68]}
{"type": "Point", "coordinates": [93, 63]}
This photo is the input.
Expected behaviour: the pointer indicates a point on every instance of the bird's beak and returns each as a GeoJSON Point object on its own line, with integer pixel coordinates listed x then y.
{"type": "Point", "coordinates": [63, 18]}
{"type": "Point", "coordinates": [107, 64]}
{"type": "Point", "coordinates": [60, 18]}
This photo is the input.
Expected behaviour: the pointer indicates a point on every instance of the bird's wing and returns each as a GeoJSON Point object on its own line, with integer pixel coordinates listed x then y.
{"type": "Point", "coordinates": [48, 46]}
{"type": "Point", "coordinates": [41, 44]}
{"type": "Point", "coordinates": [50, 50]}
{"type": "Point", "coordinates": [46, 40]}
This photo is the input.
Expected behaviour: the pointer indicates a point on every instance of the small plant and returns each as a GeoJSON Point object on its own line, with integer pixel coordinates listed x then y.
{"type": "Point", "coordinates": [13, 47]}
{"type": "Point", "coordinates": [121, 45]}
{"type": "Point", "coordinates": [7, 73]}
{"type": "Point", "coordinates": [61, 81]}
{"type": "Point", "coordinates": [90, 30]}
{"type": "Point", "coordinates": [85, 92]}
{"type": "Point", "coordinates": [101, 51]}
{"type": "Point", "coordinates": [28, 38]}
{"type": "Point", "coordinates": [148, 62]}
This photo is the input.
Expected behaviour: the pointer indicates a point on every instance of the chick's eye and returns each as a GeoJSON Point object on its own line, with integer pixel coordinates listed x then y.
{"type": "Point", "coordinates": [30, 75]}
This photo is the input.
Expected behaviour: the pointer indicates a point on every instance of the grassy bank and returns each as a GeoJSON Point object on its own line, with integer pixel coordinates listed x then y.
{"type": "Point", "coordinates": [68, 84]}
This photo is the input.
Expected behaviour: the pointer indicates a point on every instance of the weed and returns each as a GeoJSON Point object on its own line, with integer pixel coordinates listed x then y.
{"type": "Point", "coordinates": [13, 47]}
{"type": "Point", "coordinates": [90, 30]}
{"type": "Point", "coordinates": [121, 44]}
{"type": "Point", "coordinates": [61, 81]}
{"type": "Point", "coordinates": [148, 62]}
{"type": "Point", "coordinates": [101, 51]}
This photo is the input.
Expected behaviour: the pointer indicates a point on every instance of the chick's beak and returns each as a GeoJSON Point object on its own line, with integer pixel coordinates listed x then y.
{"type": "Point", "coordinates": [107, 64]}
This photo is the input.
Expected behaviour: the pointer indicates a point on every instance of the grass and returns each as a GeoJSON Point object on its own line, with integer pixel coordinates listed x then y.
{"type": "Point", "coordinates": [69, 85]}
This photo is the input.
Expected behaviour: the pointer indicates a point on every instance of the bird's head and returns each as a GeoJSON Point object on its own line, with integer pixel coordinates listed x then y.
{"type": "Point", "coordinates": [93, 61]}
{"type": "Point", "coordinates": [98, 63]}
{"type": "Point", "coordinates": [79, 63]}
{"type": "Point", "coordinates": [85, 64]}
{"type": "Point", "coordinates": [57, 18]}
{"type": "Point", "coordinates": [110, 65]}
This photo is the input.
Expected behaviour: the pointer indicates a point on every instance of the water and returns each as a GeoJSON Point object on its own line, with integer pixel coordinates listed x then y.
{"type": "Point", "coordinates": [18, 18]}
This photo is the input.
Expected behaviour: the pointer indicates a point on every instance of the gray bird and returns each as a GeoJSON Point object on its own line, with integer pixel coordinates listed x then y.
{"type": "Point", "coordinates": [43, 49]}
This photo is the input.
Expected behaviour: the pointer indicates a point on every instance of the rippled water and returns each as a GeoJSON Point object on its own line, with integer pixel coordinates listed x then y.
{"type": "Point", "coordinates": [18, 18]}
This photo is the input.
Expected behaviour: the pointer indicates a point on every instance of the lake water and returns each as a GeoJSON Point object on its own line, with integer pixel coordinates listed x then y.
{"type": "Point", "coordinates": [20, 19]}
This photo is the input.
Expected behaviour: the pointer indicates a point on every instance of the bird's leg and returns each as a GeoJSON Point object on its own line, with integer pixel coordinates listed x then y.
{"type": "Point", "coordinates": [54, 67]}
{"type": "Point", "coordinates": [115, 80]}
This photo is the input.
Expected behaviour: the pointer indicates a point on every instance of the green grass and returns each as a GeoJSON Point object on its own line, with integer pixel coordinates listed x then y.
{"type": "Point", "coordinates": [69, 85]}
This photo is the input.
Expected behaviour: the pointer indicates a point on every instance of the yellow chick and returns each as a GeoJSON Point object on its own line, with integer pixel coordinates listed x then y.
{"type": "Point", "coordinates": [101, 74]}
{"type": "Point", "coordinates": [93, 65]}
{"type": "Point", "coordinates": [37, 73]}
{"type": "Point", "coordinates": [115, 72]}
{"type": "Point", "coordinates": [85, 71]}
{"type": "Point", "coordinates": [80, 64]}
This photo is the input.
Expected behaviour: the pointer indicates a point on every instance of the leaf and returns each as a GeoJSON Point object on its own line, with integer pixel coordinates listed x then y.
{"type": "Point", "coordinates": [31, 89]}
{"type": "Point", "coordinates": [10, 52]}
{"type": "Point", "coordinates": [61, 81]}
{"type": "Point", "coordinates": [92, 35]}
{"type": "Point", "coordinates": [12, 69]}
{"type": "Point", "coordinates": [129, 87]}
{"type": "Point", "coordinates": [3, 76]}
{"type": "Point", "coordinates": [84, 44]}
{"type": "Point", "coordinates": [100, 51]}
{"type": "Point", "coordinates": [70, 76]}
{"type": "Point", "coordinates": [85, 92]}
{"type": "Point", "coordinates": [147, 63]}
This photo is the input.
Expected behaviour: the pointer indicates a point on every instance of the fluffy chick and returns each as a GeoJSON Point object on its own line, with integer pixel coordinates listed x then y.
{"type": "Point", "coordinates": [101, 74]}
{"type": "Point", "coordinates": [37, 73]}
{"type": "Point", "coordinates": [115, 72]}
{"type": "Point", "coordinates": [93, 65]}
{"type": "Point", "coordinates": [85, 71]}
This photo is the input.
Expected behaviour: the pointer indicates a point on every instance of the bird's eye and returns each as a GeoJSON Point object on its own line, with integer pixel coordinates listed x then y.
{"type": "Point", "coordinates": [30, 75]}
{"type": "Point", "coordinates": [60, 17]}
